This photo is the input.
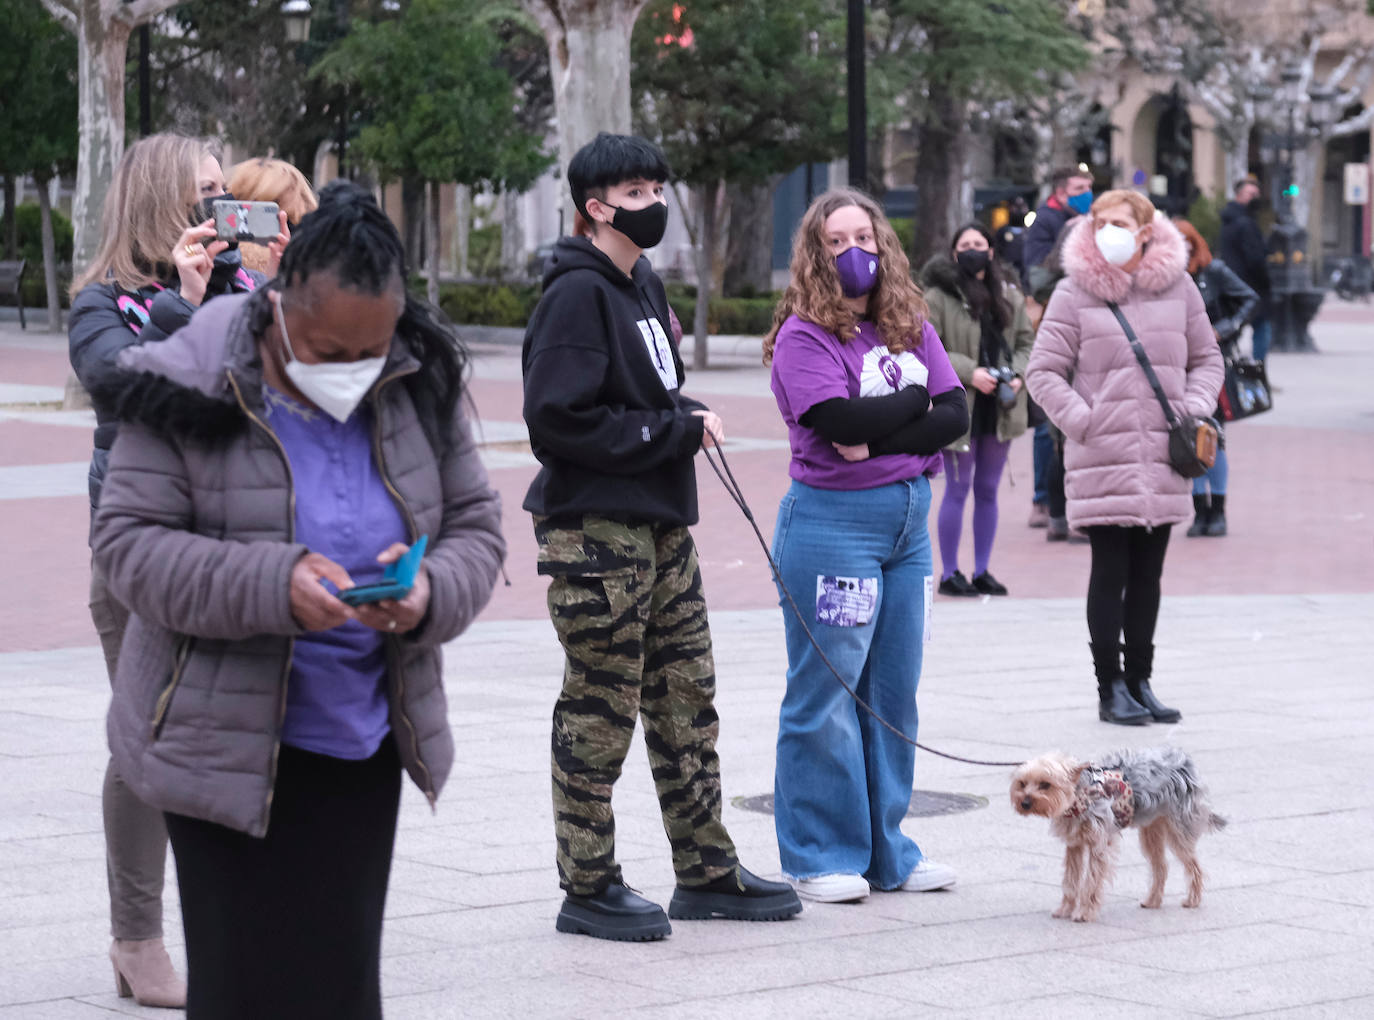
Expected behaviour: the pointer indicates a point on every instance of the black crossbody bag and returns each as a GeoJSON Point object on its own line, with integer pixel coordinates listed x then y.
{"type": "Point", "coordinates": [1193, 439]}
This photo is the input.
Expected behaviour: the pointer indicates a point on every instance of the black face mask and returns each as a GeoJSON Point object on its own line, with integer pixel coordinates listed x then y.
{"type": "Point", "coordinates": [1255, 204]}
{"type": "Point", "coordinates": [205, 208]}
{"type": "Point", "coordinates": [644, 227]}
{"type": "Point", "coordinates": [972, 262]}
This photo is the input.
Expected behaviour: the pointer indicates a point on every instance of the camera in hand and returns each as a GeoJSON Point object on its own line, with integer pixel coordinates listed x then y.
{"type": "Point", "coordinates": [1006, 396]}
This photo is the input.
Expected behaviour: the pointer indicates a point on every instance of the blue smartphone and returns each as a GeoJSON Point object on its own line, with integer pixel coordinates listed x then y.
{"type": "Point", "coordinates": [396, 581]}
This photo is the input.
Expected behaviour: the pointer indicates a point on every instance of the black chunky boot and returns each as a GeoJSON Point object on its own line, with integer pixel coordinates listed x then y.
{"type": "Point", "coordinates": [1139, 663]}
{"type": "Point", "coordinates": [1216, 520]}
{"type": "Point", "coordinates": [1114, 702]}
{"type": "Point", "coordinates": [1202, 517]}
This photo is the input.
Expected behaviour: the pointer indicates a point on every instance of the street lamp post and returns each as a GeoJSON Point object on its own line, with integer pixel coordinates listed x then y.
{"type": "Point", "coordinates": [858, 112]}
{"type": "Point", "coordinates": [1295, 297]}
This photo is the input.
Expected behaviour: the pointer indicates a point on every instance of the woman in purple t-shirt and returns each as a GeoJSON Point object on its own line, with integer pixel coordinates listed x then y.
{"type": "Point", "coordinates": [869, 399]}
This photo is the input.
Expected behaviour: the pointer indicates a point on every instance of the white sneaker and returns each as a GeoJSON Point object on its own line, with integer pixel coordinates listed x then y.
{"type": "Point", "coordinates": [928, 876]}
{"type": "Point", "coordinates": [831, 888]}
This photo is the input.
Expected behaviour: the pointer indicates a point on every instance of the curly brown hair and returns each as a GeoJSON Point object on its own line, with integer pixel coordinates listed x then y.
{"type": "Point", "coordinates": [895, 305]}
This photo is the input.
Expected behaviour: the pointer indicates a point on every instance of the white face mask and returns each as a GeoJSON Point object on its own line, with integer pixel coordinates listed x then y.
{"type": "Point", "coordinates": [335, 387]}
{"type": "Point", "coordinates": [1117, 244]}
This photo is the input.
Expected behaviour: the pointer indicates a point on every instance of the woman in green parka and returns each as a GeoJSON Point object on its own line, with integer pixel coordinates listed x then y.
{"type": "Point", "coordinates": [981, 319]}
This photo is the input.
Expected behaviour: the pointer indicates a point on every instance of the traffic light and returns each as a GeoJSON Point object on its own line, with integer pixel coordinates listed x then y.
{"type": "Point", "coordinates": [1292, 191]}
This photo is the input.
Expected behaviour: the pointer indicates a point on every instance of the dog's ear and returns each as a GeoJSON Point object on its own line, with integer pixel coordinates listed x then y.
{"type": "Point", "coordinates": [1073, 768]}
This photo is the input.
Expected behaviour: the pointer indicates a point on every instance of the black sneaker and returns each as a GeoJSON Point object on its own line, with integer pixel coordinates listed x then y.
{"type": "Point", "coordinates": [737, 895]}
{"type": "Point", "coordinates": [957, 584]}
{"type": "Point", "coordinates": [988, 585]}
{"type": "Point", "coordinates": [617, 913]}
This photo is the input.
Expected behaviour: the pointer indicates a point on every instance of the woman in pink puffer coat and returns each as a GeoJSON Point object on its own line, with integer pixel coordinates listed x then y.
{"type": "Point", "coordinates": [1119, 484]}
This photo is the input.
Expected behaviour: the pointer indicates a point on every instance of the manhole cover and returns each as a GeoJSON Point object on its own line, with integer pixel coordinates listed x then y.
{"type": "Point", "coordinates": [924, 803]}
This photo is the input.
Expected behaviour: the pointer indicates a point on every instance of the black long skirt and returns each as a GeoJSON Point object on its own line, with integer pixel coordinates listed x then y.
{"type": "Point", "coordinates": [290, 925]}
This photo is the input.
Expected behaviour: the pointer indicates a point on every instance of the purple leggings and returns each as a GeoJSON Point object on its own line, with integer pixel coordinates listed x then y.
{"type": "Point", "coordinates": [980, 469]}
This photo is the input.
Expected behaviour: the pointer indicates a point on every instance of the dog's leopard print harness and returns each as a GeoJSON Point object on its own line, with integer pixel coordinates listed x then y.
{"type": "Point", "coordinates": [1098, 784]}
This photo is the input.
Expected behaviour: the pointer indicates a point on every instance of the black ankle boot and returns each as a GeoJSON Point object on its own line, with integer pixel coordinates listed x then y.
{"type": "Point", "coordinates": [1114, 702]}
{"type": "Point", "coordinates": [617, 913]}
{"type": "Point", "coordinates": [1202, 517]}
{"type": "Point", "coordinates": [1139, 663]}
{"type": "Point", "coordinates": [1216, 520]}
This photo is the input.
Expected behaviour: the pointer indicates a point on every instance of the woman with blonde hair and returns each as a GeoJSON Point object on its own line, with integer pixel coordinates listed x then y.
{"type": "Point", "coordinates": [156, 265]}
{"type": "Point", "coordinates": [271, 180]}
{"type": "Point", "coordinates": [1124, 265]}
{"type": "Point", "coordinates": [870, 400]}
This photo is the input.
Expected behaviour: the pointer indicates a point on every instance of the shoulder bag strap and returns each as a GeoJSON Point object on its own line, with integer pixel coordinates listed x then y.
{"type": "Point", "coordinates": [1141, 357]}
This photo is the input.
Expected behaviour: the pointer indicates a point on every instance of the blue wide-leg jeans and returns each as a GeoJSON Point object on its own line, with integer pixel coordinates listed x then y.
{"type": "Point", "coordinates": [843, 781]}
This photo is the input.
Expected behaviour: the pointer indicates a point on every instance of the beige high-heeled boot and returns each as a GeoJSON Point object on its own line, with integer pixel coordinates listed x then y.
{"type": "Point", "coordinates": [143, 970]}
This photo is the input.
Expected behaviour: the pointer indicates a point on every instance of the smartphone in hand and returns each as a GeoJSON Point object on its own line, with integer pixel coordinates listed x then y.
{"type": "Point", "coordinates": [245, 221]}
{"type": "Point", "coordinates": [396, 582]}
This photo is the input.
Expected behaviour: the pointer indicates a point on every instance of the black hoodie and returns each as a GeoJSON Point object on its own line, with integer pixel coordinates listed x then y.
{"type": "Point", "coordinates": [608, 423]}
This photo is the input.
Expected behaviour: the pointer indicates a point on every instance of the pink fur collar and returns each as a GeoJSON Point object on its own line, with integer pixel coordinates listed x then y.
{"type": "Point", "coordinates": [1164, 261]}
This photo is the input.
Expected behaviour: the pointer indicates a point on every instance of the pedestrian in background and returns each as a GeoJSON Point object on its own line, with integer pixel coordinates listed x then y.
{"type": "Point", "coordinates": [981, 320]}
{"type": "Point", "coordinates": [1070, 196]}
{"type": "Point", "coordinates": [870, 400]}
{"type": "Point", "coordinates": [157, 263]}
{"type": "Point", "coordinates": [1229, 303]}
{"type": "Point", "coordinates": [1241, 246]}
{"type": "Point", "coordinates": [271, 180]}
{"type": "Point", "coordinates": [612, 502]}
{"type": "Point", "coordinates": [1120, 484]}
{"type": "Point", "coordinates": [282, 447]}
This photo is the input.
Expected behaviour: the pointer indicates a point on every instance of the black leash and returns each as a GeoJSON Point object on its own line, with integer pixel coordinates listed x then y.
{"type": "Point", "coordinates": [727, 479]}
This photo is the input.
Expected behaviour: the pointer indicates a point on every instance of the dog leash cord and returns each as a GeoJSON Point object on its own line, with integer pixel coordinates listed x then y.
{"type": "Point", "coordinates": [727, 479]}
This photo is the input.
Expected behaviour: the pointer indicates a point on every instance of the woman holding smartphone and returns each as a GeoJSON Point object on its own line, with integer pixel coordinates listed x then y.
{"type": "Point", "coordinates": [156, 265]}
{"type": "Point", "coordinates": [286, 445]}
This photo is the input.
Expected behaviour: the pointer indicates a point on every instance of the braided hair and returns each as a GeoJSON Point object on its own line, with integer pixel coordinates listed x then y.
{"type": "Point", "coordinates": [350, 237]}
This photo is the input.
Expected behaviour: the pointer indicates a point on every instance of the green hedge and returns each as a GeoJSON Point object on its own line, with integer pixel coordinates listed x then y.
{"type": "Point", "coordinates": [488, 304]}
{"type": "Point", "coordinates": [506, 304]}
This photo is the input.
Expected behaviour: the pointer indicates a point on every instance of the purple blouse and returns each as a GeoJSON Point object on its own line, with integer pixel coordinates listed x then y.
{"type": "Point", "coordinates": [811, 365]}
{"type": "Point", "coordinates": [336, 696]}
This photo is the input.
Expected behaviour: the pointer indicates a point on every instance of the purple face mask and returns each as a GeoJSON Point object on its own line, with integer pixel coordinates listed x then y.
{"type": "Point", "coordinates": [858, 271]}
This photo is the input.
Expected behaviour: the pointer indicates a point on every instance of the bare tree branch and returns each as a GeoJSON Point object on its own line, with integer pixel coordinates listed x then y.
{"type": "Point", "coordinates": [138, 11]}
{"type": "Point", "coordinates": [1354, 125]}
{"type": "Point", "coordinates": [64, 11]}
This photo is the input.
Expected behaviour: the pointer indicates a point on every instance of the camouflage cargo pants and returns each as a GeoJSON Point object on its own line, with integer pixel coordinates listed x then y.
{"type": "Point", "coordinates": [627, 604]}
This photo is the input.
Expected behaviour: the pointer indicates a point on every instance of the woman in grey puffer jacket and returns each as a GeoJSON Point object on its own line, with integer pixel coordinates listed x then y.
{"type": "Point", "coordinates": [282, 447]}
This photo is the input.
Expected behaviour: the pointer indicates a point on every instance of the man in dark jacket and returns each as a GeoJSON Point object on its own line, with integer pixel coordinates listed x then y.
{"type": "Point", "coordinates": [615, 494]}
{"type": "Point", "coordinates": [1071, 195]}
{"type": "Point", "coordinates": [1242, 248]}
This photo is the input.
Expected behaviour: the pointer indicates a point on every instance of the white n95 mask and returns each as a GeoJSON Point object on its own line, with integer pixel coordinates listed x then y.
{"type": "Point", "coordinates": [335, 387]}
{"type": "Point", "coordinates": [1117, 244]}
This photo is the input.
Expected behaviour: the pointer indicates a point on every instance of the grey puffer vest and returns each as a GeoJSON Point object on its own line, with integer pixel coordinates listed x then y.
{"type": "Point", "coordinates": [195, 534]}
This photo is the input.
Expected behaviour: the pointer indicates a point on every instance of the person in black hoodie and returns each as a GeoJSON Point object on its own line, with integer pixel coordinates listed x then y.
{"type": "Point", "coordinates": [614, 496]}
{"type": "Point", "coordinates": [156, 265]}
{"type": "Point", "coordinates": [1241, 246]}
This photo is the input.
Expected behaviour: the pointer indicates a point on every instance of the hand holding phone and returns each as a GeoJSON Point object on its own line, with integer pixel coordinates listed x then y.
{"type": "Point", "coordinates": [246, 221]}
{"type": "Point", "coordinates": [401, 613]}
{"type": "Point", "coordinates": [396, 582]}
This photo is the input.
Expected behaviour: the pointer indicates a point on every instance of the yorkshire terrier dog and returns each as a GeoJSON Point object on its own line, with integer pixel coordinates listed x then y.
{"type": "Point", "coordinates": [1156, 790]}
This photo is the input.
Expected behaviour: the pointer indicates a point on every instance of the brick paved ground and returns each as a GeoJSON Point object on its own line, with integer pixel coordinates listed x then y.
{"type": "Point", "coordinates": [1261, 644]}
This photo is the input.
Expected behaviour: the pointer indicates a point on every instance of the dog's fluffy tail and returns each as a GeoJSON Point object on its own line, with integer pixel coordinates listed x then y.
{"type": "Point", "coordinates": [1215, 822]}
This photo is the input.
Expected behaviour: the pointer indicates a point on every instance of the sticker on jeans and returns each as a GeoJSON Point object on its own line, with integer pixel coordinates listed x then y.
{"type": "Point", "coordinates": [930, 598]}
{"type": "Point", "coordinates": [846, 601]}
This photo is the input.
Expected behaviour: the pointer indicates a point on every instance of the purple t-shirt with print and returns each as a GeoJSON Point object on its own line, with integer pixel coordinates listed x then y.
{"type": "Point", "coordinates": [811, 365]}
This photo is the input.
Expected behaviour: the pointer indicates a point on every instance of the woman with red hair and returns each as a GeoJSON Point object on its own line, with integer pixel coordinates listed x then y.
{"type": "Point", "coordinates": [1230, 303]}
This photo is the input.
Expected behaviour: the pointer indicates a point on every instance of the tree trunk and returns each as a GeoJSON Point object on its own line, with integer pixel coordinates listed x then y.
{"type": "Point", "coordinates": [512, 236]}
{"type": "Point", "coordinates": [705, 199]}
{"type": "Point", "coordinates": [9, 228]}
{"type": "Point", "coordinates": [432, 287]}
{"type": "Point", "coordinates": [462, 230]}
{"type": "Point", "coordinates": [940, 148]}
{"type": "Point", "coordinates": [101, 49]}
{"type": "Point", "coordinates": [413, 220]}
{"type": "Point", "coordinates": [49, 256]}
{"type": "Point", "coordinates": [749, 250]}
{"type": "Point", "coordinates": [589, 61]}
{"type": "Point", "coordinates": [1237, 160]}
